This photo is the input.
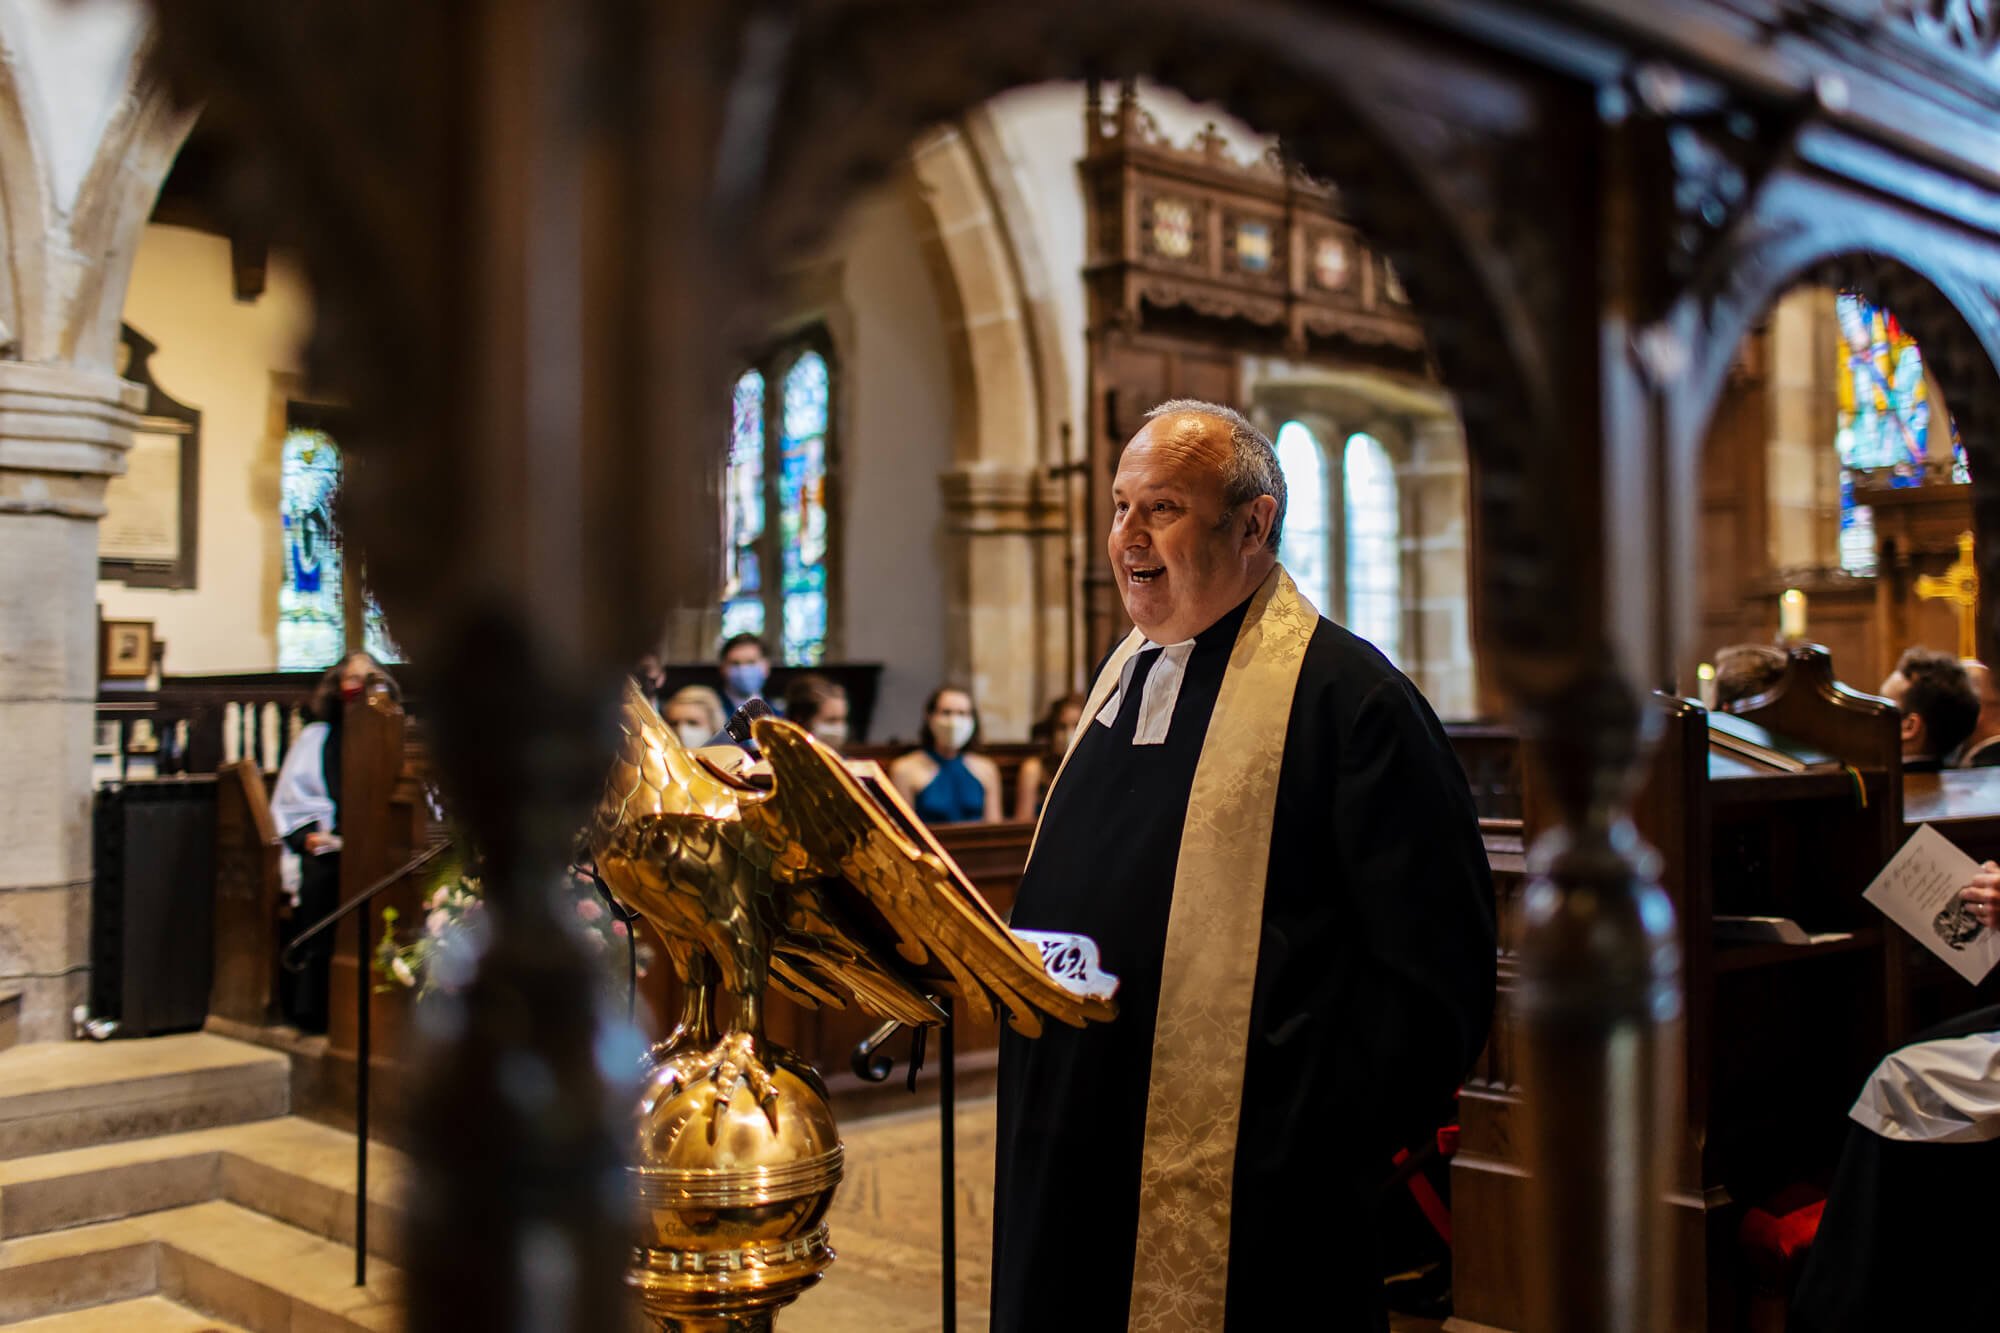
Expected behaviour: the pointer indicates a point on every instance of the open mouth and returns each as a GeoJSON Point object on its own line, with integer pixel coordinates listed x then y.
{"type": "Point", "coordinates": [1145, 574]}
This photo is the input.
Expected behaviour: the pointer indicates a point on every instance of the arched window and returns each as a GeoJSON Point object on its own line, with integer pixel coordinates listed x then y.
{"type": "Point", "coordinates": [1306, 547]}
{"type": "Point", "coordinates": [782, 413]}
{"type": "Point", "coordinates": [1373, 567]}
{"type": "Point", "coordinates": [317, 587]}
{"type": "Point", "coordinates": [1883, 421]}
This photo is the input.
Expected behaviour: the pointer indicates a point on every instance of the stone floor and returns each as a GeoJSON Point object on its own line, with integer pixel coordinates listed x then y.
{"type": "Point", "coordinates": [885, 1228]}
{"type": "Point", "coordinates": [143, 1181]}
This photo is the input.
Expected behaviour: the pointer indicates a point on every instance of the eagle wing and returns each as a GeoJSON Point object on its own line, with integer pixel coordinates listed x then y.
{"type": "Point", "coordinates": [671, 838]}
{"type": "Point", "coordinates": [820, 815]}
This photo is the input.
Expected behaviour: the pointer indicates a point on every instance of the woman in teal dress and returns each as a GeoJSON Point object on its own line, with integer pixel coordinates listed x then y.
{"type": "Point", "coordinates": [947, 781]}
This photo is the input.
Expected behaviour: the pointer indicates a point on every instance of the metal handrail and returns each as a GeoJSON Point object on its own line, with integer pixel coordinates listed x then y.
{"type": "Point", "coordinates": [363, 991]}
{"type": "Point", "coordinates": [289, 958]}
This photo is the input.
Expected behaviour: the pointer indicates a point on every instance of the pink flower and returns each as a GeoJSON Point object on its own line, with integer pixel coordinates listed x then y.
{"type": "Point", "coordinates": [436, 900]}
{"type": "Point", "coordinates": [436, 922]}
{"type": "Point", "coordinates": [589, 909]}
{"type": "Point", "coordinates": [618, 929]}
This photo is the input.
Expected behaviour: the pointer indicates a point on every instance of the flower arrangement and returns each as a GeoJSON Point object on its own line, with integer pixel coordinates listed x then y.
{"type": "Point", "coordinates": [438, 955]}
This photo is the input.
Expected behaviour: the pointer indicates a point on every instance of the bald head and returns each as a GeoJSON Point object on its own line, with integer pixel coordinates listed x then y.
{"type": "Point", "coordinates": [1988, 725]}
{"type": "Point", "coordinates": [1247, 461]}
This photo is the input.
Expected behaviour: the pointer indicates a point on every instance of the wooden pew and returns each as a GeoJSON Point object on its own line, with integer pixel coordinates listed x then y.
{"type": "Point", "coordinates": [1777, 1037]}
{"type": "Point", "coordinates": [384, 820]}
{"type": "Point", "coordinates": [250, 903]}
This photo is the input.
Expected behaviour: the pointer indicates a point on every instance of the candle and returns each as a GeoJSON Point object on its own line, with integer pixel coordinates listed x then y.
{"type": "Point", "coordinates": [1704, 675]}
{"type": "Point", "coordinates": [1792, 614]}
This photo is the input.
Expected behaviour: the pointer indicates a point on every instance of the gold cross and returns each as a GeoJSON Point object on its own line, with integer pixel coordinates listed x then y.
{"type": "Point", "coordinates": [1959, 585]}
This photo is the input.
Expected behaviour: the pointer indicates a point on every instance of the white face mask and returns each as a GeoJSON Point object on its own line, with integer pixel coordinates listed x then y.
{"type": "Point", "coordinates": [692, 734]}
{"type": "Point", "coordinates": [953, 731]}
{"type": "Point", "coordinates": [831, 733]}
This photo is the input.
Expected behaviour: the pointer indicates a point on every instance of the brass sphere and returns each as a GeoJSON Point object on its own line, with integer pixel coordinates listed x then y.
{"type": "Point", "coordinates": [737, 1158]}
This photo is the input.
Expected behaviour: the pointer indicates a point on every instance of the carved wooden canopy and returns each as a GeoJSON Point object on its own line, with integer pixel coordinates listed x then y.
{"type": "Point", "coordinates": [1256, 255]}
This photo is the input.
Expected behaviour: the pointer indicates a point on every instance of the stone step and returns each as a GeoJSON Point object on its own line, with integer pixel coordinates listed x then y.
{"type": "Point", "coordinates": [217, 1258]}
{"type": "Point", "coordinates": [61, 1095]}
{"type": "Point", "coordinates": [290, 1169]}
{"type": "Point", "coordinates": [10, 1019]}
{"type": "Point", "coordinates": [148, 1314]}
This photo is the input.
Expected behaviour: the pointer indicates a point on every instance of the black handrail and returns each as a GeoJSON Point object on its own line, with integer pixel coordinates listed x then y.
{"type": "Point", "coordinates": [363, 989]}
{"type": "Point", "coordinates": [290, 959]}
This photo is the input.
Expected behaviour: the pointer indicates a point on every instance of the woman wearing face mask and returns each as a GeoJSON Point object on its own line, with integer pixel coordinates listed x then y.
{"type": "Point", "coordinates": [820, 706]}
{"type": "Point", "coordinates": [945, 781]}
{"type": "Point", "coordinates": [305, 805]}
{"type": "Point", "coordinates": [695, 714]}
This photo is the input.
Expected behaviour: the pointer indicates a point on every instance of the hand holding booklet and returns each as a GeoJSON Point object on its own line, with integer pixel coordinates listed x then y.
{"type": "Point", "coordinates": [1918, 890]}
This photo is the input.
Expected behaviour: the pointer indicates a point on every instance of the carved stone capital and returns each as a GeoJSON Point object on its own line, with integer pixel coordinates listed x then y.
{"type": "Point", "coordinates": [998, 500]}
{"type": "Point", "coordinates": [64, 433]}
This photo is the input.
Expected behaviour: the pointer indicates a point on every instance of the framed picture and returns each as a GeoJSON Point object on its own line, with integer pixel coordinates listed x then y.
{"type": "Point", "coordinates": [147, 537]}
{"type": "Point", "coordinates": [126, 648]}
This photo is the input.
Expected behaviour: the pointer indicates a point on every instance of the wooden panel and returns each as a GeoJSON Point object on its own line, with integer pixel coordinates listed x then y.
{"type": "Point", "coordinates": [248, 894]}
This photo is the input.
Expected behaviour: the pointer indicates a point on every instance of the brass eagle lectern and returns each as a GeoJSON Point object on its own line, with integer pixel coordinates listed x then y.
{"type": "Point", "coordinates": [812, 878]}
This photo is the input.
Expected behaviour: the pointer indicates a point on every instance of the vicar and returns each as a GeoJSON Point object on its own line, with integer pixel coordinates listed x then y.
{"type": "Point", "coordinates": [1263, 827]}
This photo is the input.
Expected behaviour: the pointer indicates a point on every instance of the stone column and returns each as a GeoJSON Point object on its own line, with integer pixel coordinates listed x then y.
{"type": "Point", "coordinates": [63, 434]}
{"type": "Point", "coordinates": [1435, 490]}
{"type": "Point", "coordinates": [1003, 528]}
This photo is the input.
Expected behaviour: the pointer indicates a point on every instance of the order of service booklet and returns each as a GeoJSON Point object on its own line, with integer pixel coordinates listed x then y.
{"type": "Point", "coordinates": [1918, 890]}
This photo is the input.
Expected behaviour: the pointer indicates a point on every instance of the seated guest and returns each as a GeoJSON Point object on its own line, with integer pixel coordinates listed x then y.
{"type": "Point", "coordinates": [1031, 786]}
{"type": "Point", "coordinates": [945, 782]}
{"type": "Point", "coordinates": [651, 675]}
{"type": "Point", "coordinates": [820, 706]}
{"type": "Point", "coordinates": [746, 665]}
{"type": "Point", "coordinates": [1925, 1142]}
{"type": "Point", "coordinates": [1938, 706]}
{"type": "Point", "coordinates": [1979, 750]}
{"type": "Point", "coordinates": [1746, 670]}
{"type": "Point", "coordinates": [695, 714]}
{"type": "Point", "coordinates": [305, 806]}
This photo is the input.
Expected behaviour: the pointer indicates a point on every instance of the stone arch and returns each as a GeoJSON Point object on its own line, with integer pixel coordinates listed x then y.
{"type": "Point", "coordinates": [1430, 191]}
{"type": "Point", "coordinates": [68, 260]}
{"type": "Point", "coordinates": [1009, 386]}
{"type": "Point", "coordinates": [1932, 275]}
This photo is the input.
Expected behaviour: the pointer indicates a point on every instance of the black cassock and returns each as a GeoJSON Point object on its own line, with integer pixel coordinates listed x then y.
{"type": "Point", "coordinates": [1374, 991]}
{"type": "Point", "coordinates": [1888, 1254]}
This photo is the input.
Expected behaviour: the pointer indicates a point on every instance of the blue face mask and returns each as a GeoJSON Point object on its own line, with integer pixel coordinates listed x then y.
{"type": "Point", "coordinates": [745, 678]}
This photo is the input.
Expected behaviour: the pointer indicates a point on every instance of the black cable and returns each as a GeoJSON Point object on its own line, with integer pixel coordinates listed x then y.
{"type": "Point", "coordinates": [631, 919]}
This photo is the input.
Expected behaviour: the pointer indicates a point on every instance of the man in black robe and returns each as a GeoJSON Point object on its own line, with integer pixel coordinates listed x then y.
{"type": "Point", "coordinates": [1373, 945]}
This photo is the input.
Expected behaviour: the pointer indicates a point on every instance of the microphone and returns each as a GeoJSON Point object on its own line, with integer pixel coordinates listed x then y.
{"type": "Point", "coordinates": [736, 731]}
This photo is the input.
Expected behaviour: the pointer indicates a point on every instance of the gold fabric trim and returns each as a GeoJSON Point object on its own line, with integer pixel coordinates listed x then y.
{"type": "Point", "coordinates": [1180, 1273]}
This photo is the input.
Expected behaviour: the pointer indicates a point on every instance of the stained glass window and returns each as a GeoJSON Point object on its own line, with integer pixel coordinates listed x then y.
{"type": "Point", "coordinates": [312, 598]}
{"type": "Point", "coordinates": [776, 523]}
{"type": "Point", "coordinates": [802, 509]}
{"type": "Point", "coordinates": [742, 581]}
{"type": "Point", "coordinates": [1306, 547]}
{"type": "Point", "coordinates": [312, 626]}
{"type": "Point", "coordinates": [1374, 565]}
{"type": "Point", "coordinates": [1883, 419]}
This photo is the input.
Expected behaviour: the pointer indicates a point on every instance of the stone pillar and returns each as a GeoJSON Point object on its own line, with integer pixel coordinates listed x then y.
{"type": "Point", "coordinates": [1003, 527]}
{"type": "Point", "coordinates": [1435, 493]}
{"type": "Point", "coordinates": [1801, 465]}
{"type": "Point", "coordinates": [63, 434]}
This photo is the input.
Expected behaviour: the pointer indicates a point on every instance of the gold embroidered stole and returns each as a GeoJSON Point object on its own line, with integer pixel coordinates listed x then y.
{"type": "Point", "coordinates": [1180, 1272]}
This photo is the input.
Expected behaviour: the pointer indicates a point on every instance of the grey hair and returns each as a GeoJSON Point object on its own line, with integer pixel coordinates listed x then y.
{"type": "Point", "coordinates": [1253, 462]}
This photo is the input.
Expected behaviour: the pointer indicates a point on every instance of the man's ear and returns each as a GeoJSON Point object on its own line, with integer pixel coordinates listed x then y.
{"type": "Point", "coordinates": [1913, 726]}
{"type": "Point", "coordinates": [1258, 516]}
